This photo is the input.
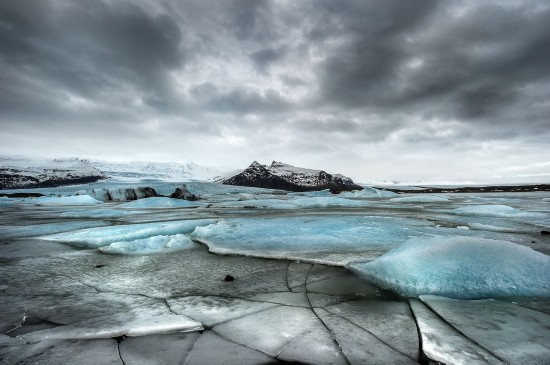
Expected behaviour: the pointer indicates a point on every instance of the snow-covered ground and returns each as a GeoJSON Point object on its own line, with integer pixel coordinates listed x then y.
{"type": "Point", "coordinates": [318, 278]}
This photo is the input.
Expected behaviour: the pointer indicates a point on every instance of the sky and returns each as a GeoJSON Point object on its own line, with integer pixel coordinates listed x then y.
{"type": "Point", "coordinates": [377, 90]}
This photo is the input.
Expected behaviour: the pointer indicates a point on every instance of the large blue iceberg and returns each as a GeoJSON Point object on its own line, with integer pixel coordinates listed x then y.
{"type": "Point", "coordinates": [460, 267]}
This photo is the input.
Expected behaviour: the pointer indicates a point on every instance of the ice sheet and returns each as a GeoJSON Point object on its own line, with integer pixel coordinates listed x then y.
{"type": "Point", "coordinates": [421, 198]}
{"type": "Point", "coordinates": [491, 228]}
{"type": "Point", "coordinates": [461, 267]}
{"type": "Point", "coordinates": [266, 331]}
{"type": "Point", "coordinates": [495, 210]}
{"type": "Point", "coordinates": [359, 345]}
{"type": "Point", "coordinates": [211, 310]}
{"type": "Point", "coordinates": [103, 236]}
{"type": "Point", "coordinates": [516, 334]}
{"type": "Point", "coordinates": [160, 202]}
{"type": "Point", "coordinates": [163, 349]}
{"type": "Point", "coordinates": [308, 236]}
{"type": "Point", "coordinates": [442, 342]}
{"type": "Point", "coordinates": [32, 230]}
{"type": "Point", "coordinates": [296, 203]}
{"type": "Point", "coordinates": [65, 200]}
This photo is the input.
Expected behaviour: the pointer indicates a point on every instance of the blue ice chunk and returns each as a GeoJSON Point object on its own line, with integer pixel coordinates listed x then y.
{"type": "Point", "coordinates": [153, 244]}
{"type": "Point", "coordinates": [369, 192]}
{"type": "Point", "coordinates": [103, 236]}
{"type": "Point", "coordinates": [160, 202]}
{"type": "Point", "coordinates": [495, 210]}
{"type": "Point", "coordinates": [308, 236]}
{"type": "Point", "coordinates": [460, 267]}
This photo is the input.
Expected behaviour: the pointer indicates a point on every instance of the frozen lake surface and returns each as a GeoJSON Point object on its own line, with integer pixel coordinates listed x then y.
{"type": "Point", "coordinates": [252, 276]}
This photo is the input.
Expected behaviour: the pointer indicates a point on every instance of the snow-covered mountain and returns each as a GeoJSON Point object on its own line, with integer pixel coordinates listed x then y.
{"type": "Point", "coordinates": [26, 173]}
{"type": "Point", "coordinates": [168, 171]}
{"type": "Point", "coordinates": [21, 172]}
{"type": "Point", "coordinates": [287, 177]}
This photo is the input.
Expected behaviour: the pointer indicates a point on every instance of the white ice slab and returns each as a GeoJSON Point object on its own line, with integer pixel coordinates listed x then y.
{"type": "Point", "coordinates": [212, 310]}
{"type": "Point", "coordinates": [271, 330]}
{"type": "Point", "coordinates": [212, 349]}
{"type": "Point", "coordinates": [461, 267]}
{"type": "Point", "coordinates": [441, 342]}
{"type": "Point", "coordinates": [360, 346]}
{"type": "Point", "coordinates": [516, 334]}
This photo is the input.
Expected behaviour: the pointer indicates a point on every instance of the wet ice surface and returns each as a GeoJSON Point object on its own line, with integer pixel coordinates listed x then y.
{"type": "Point", "coordinates": [150, 294]}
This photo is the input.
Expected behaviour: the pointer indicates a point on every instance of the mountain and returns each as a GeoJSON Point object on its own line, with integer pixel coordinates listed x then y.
{"type": "Point", "coordinates": [288, 177]}
{"type": "Point", "coordinates": [21, 172]}
{"type": "Point", "coordinates": [18, 173]}
{"type": "Point", "coordinates": [167, 171]}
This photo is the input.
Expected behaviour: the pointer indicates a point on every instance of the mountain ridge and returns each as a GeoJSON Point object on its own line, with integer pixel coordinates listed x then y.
{"type": "Point", "coordinates": [288, 177]}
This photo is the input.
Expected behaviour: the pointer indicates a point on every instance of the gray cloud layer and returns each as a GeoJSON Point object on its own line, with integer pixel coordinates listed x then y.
{"type": "Point", "coordinates": [430, 87]}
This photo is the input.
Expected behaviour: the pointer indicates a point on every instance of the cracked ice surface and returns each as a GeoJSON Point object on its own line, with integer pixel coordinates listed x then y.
{"type": "Point", "coordinates": [58, 301]}
{"type": "Point", "coordinates": [515, 334]}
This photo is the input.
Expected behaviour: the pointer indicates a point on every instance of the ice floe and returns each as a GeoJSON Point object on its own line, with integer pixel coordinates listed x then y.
{"type": "Point", "coordinates": [368, 192]}
{"type": "Point", "coordinates": [65, 200]}
{"type": "Point", "coordinates": [296, 203]}
{"type": "Point", "coordinates": [149, 245]}
{"type": "Point", "coordinates": [334, 239]}
{"type": "Point", "coordinates": [494, 210]}
{"type": "Point", "coordinates": [421, 198]}
{"type": "Point", "coordinates": [160, 202]}
{"type": "Point", "coordinates": [103, 236]}
{"type": "Point", "coordinates": [461, 267]}
{"type": "Point", "coordinates": [515, 334]}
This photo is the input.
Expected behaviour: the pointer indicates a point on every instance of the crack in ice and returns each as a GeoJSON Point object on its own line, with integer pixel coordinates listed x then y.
{"type": "Point", "coordinates": [322, 322]}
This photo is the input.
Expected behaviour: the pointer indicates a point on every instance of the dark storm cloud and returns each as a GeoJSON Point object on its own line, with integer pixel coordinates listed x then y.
{"type": "Point", "coordinates": [415, 56]}
{"type": "Point", "coordinates": [88, 48]}
{"type": "Point", "coordinates": [238, 101]}
{"type": "Point", "coordinates": [347, 74]}
{"type": "Point", "coordinates": [263, 58]}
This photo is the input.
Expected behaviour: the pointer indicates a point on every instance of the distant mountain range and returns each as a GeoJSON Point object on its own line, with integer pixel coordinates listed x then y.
{"type": "Point", "coordinates": [23, 172]}
{"type": "Point", "coordinates": [287, 177]}
{"type": "Point", "coordinates": [16, 173]}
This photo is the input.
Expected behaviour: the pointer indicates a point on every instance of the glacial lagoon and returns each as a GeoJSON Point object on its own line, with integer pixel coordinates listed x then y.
{"type": "Point", "coordinates": [252, 276]}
